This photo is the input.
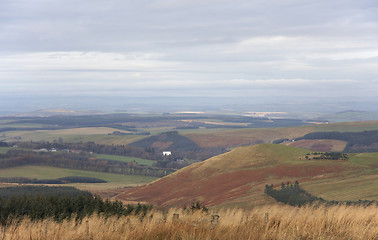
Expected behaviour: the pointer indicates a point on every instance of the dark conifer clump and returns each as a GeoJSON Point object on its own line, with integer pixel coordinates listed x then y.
{"type": "Point", "coordinates": [64, 180]}
{"type": "Point", "coordinates": [59, 203]}
{"type": "Point", "coordinates": [291, 194]}
{"type": "Point", "coordinates": [294, 195]}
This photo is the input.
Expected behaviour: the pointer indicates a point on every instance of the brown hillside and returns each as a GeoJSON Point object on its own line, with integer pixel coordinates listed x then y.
{"type": "Point", "coordinates": [239, 177]}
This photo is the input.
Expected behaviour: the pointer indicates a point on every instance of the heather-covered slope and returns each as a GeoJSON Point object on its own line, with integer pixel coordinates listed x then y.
{"type": "Point", "coordinates": [239, 177]}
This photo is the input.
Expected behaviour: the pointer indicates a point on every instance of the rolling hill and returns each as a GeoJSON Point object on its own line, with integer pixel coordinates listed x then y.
{"type": "Point", "coordinates": [250, 136]}
{"type": "Point", "coordinates": [237, 178]}
{"type": "Point", "coordinates": [319, 145]}
{"type": "Point", "coordinates": [167, 141]}
{"type": "Point", "coordinates": [351, 115]}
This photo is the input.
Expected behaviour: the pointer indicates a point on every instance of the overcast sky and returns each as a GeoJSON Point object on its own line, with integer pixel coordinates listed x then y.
{"type": "Point", "coordinates": [272, 49]}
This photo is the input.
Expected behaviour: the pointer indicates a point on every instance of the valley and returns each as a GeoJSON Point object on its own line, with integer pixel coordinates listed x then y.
{"type": "Point", "coordinates": [173, 162]}
{"type": "Point", "coordinates": [220, 160]}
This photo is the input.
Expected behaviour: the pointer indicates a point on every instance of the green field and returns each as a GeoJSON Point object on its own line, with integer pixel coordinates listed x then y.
{"type": "Point", "coordinates": [345, 188]}
{"type": "Point", "coordinates": [140, 161]}
{"type": "Point", "coordinates": [21, 125]}
{"type": "Point", "coordinates": [358, 181]}
{"type": "Point", "coordinates": [69, 135]}
{"type": "Point", "coordinates": [126, 159]}
{"type": "Point", "coordinates": [364, 159]}
{"type": "Point", "coordinates": [42, 172]}
{"type": "Point", "coordinates": [103, 139]}
{"type": "Point", "coordinates": [4, 150]}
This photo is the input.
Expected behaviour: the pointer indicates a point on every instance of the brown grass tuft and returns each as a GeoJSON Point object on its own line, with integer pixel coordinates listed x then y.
{"type": "Point", "coordinates": [273, 222]}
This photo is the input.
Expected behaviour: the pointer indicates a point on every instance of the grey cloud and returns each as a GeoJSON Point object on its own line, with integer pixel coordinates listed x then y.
{"type": "Point", "coordinates": [209, 48]}
{"type": "Point", "coordinates": [100, 25]}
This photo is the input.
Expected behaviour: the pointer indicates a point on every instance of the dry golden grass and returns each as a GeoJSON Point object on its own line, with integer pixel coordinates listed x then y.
{"type": "Point", "coordinates": [274, 222]}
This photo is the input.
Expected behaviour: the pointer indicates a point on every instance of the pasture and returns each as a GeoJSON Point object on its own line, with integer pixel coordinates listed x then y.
{"type": "Point", "coordinates": [42, 172]}
{"type": "Point", "coordinates": [140, 161]}
{"type": "Point", "coordinates": [4, 150]}
{"type": "Point", "coordinates": [89, 134]}
{"type": "Point", "coordinates": [319, 145]}
{"type": "Point", "coordinates": [345, 188]}
{"type": "Point", "coordinates": [21, 125]}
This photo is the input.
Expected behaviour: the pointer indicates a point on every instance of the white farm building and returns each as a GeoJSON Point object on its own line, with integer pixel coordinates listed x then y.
{"type": "Point", "coordinates": [167, 153]}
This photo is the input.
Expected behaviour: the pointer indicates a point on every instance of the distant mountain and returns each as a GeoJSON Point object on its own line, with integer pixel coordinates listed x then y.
{"type": "Point", "coordinates": [238, 178]}
{"type": "Point", "coordinates": [56, 112]}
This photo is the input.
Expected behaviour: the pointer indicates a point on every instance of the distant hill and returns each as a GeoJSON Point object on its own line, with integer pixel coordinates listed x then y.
{"type": "Point", "coordinates": [167, 141]}
{"type": "Point", "coordinates": [366, 141]}
{"type": "Point", "coordinates": [237, 178]}
{"type": "Point", "coordinates": [56, 112]}
{"type": "Point", "coordinates": [351, 116]}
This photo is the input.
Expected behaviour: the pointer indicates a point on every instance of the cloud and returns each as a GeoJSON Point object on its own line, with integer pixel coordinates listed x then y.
{"type": "Point", "coordinates": [208, 48]}
{"type": "Point", "coordinates": [45, 61]}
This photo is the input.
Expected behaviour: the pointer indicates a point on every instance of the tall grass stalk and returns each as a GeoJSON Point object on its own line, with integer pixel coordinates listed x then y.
{"type": "Point", "coordinates": [273, 222]}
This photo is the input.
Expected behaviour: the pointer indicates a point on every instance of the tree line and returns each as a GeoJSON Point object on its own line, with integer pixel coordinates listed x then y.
{"type": "Point", "coordinates": [120, 150]}
{"type": "Point", "coordinates": [64, 180]}
{"type": "Point", "coordinates": [294, 195]}
{"type": "Point", "coordinates": [327, 156]}
{"type": "Point", "coordinates": [51, 203]}
{"type": "Point", "coordinates": [7, 192]}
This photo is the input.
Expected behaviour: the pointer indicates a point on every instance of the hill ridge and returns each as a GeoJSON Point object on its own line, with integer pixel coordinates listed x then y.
{"type": "Point", "coordinates": [239, 177]}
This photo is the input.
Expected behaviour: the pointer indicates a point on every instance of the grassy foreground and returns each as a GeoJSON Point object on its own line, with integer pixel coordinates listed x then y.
{"type": "Point", "coordinates": [273, 222]}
